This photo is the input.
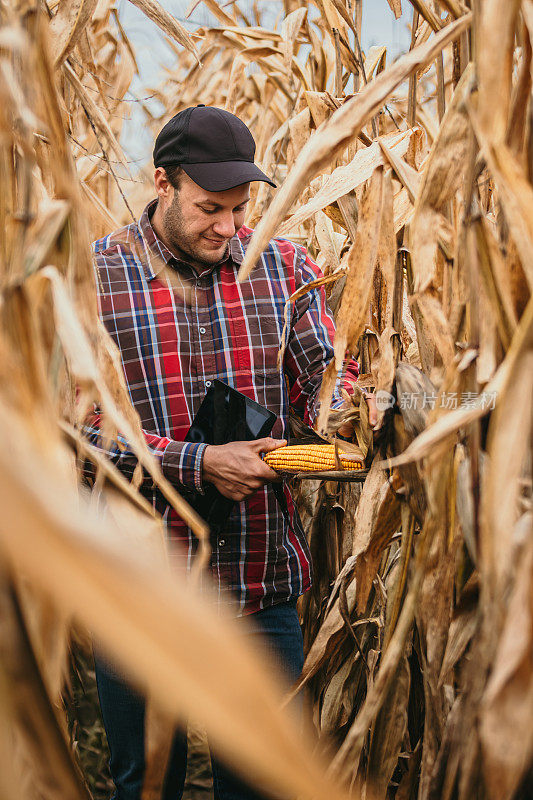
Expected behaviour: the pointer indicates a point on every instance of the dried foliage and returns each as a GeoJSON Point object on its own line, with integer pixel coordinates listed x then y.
{"type": "Point", "coordinates": [411, 183]}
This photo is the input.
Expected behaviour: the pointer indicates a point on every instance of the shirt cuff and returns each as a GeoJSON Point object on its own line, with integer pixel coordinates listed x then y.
{"type": "Point", "coordinates": [182, 463]}
{"type": "Point", "coordinates": [337, 402]}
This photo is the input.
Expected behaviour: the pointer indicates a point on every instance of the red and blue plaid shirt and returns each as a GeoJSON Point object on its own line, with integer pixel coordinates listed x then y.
{"type": "Point", "coordinates": [174, 337]}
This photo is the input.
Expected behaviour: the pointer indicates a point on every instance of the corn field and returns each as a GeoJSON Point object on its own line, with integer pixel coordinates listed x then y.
{"type": "Point", "coordinates": [410, 182]}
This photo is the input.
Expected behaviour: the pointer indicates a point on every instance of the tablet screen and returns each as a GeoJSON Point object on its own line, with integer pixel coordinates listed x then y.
{"type": "Point", "coordinates": [227, 415]}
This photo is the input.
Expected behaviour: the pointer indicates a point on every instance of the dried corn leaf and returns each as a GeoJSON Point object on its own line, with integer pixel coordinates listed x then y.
{"type": "Point", "coordinates": [396, 7]}
{"type": "Point", "coordinates": [441, 178]}
{"type": "Point", "coordinates": [449, 424]}
{"type": "Point", "coordinates": [108, 588]}
{"type": "Point", "coordinates": [344, 179]}
{"type": "Point", "coordinates": [345, 123]}
{"type": "Point", "coordinates": [167, 23]}
{"type": "Point", "coordinates": [27, 706]}
{"type": "Point", "coordinates": [68, 25]}
{"type": "Point", "coordinates": [360, 265]}
{"type": "Point", "coordinates": [507, 706]}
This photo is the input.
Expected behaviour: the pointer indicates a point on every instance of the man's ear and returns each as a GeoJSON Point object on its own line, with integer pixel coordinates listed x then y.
{"type": "Point", "coordinates": [162, 184]}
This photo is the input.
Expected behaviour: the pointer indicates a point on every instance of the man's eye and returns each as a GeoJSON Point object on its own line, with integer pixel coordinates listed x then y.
{"type": "Point", "coordinates": [208, 210]}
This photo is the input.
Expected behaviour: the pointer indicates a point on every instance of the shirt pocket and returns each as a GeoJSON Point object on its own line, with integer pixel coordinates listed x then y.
{"type": "Point", "coordinates": [265, 332]}
{"type": "Point", "coordinates": [270, 392]}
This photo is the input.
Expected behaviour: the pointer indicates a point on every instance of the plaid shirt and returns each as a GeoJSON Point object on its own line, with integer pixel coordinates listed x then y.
{"type": "Point", "coordinates": [174, 338]}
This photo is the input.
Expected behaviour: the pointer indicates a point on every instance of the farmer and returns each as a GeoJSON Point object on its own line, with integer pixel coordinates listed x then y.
{"type": "Point", "coordinates": [169, 297]}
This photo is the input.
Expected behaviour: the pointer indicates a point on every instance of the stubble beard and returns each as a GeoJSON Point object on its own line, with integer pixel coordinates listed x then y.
{"type": "Point", "coordinates": [185, 243]}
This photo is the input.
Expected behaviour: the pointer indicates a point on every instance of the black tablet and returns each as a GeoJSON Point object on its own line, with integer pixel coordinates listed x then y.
{"type": "Point", "coordinates": [224, 416]}
{"type": "Point", "coordinates": [227, 415]}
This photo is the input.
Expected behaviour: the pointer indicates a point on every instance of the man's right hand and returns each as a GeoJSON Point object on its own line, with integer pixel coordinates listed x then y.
{"type": "Point", "coordinates": [236, 469]}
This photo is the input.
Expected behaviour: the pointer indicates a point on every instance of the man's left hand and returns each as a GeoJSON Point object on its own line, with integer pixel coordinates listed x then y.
{"type": "Point", "coordinates": [347, 429]}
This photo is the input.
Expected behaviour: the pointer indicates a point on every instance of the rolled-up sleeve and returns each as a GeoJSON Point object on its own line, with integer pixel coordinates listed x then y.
{"type": "Point", "coordinates": [180, 462]}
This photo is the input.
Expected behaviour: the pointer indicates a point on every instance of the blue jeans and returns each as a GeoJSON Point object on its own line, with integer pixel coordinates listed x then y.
{"type": "Point", "coordinates": [123, 716]}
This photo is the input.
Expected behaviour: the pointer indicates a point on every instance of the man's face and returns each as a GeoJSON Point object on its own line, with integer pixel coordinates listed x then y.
{"type": "Point", "coordinates": [200, 223]}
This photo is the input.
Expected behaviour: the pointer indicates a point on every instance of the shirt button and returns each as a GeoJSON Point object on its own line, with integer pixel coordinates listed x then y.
{"type": "Point", "coordinates": [221, 542]}
{"type": "Point", "coordinates": [202, 330]}
{"type": "Point", "coordinates": [207, 384]}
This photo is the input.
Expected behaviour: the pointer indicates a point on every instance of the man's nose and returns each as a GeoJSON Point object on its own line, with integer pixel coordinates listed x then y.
{"type": "Point", "coordinates": [225, 226]}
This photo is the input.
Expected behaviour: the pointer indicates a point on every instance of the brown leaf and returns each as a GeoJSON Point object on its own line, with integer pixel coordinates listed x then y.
{"type": "Point", "coordinates": [360, 263]}
{"type": "Point", "coordinates": [463, 627]}
{"type": "Point", "coordinates": [34, 719]}
{"type": "Point", "coordinates": [167, 22]}
{"type": "Point", "coordinates": [344, 179]}
{"type": "Point", "coordinates": [377, 518]}
{"type": "Point", "coordinates": [338, 131]}
{"type": "Point", "coordinates": [387, 734]}
{"type": "Point", "coordinates": [68, 25]}
{"type": "Point", "coordinates": [515, 192]}
{"type": "Point", "coordinates": [449, 424]}
{"type": "Point", "coordinates": [497, 31]}
{"type": "Point", "coordinates": [109, 587]}
{"type": "Point", "coordinates": [441, 178]}
{"type": "Point", "coordinates": [507, 708]}
{"type": "Point", "coordinates": [396, 7]}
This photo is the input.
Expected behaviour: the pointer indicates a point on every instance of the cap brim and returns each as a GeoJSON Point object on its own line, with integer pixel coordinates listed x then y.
{"type": "Point", "coordinates": [221, 175]}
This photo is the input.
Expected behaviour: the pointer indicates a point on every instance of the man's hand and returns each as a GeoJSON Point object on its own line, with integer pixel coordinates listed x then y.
{"type": "Point", "coordinates": [347, 430]}
{"type": "Point", "coordinates": [372, 409]}
{"type": "Point", "coordinates": [236, 469]}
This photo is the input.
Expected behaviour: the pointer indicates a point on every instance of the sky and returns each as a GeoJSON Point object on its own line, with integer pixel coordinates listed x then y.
{"type": "Point", "coordinates": [379, 27]}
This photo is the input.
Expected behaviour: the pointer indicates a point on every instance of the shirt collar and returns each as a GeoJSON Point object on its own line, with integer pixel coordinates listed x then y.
{"type": "Point", "coordinates": [158, 255]}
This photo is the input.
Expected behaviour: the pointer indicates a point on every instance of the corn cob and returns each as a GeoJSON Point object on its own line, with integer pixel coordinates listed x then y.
{"type": "Point", "coordinates": [308, 458]}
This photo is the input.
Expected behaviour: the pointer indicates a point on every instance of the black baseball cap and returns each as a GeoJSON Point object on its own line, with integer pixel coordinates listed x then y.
{"type": "Point", "coordinates": [215, 148]}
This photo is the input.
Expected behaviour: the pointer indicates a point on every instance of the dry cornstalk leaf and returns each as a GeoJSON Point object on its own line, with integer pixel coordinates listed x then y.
{"type": "Point", "coordinates": [289, 31]}
{"type": "Point", "coordinates": [350, 750]}
{"type": "Point", "coordinates": [441, 178]}
{"type": "Point", "coordinates": [168, 24]}
{"type": "Point", "coordinates": [377, 517]}
{"type": "Point", "coordinates": [436, 324]}
{"type": "Point", "coordinates": [336, 133]}
{"type": "Point", "coordinates": [325, 641]}
{"type": "Point", "coordinates": [109, 588]}
{"type": "Point", "coordinates": [86, 372]}
{"type": "Point", "coordinates": [94, 113]}
{"type": "Point", "coordinates": [507, 705]}
{"type": "Point", "coordinates": [327, 241]}
{"type": "Point", "coordinates": [388, 732]}
{"type": "Point", "coordinates": [26, 704]}
{"type": "Point", "coordinates": [463, 627]}
{"type": "Point", "coordinates": [387, 243]}
{"type": "Point", "coordinates": [215, 9]}
{"type": "Point", "coordinates": [516, 195]}
{"type": "Point", "coordinates": [68, 25]}
{"type": "Point", "coordinates": [344, 179]}
{"type": "Point", "coordinates": [360, 265]}
{"type": "Point", "coordinates": [405, 173]}
{"type": "Point", "coordinates": [507, 444]}
{"type": "Point", "coordinates": [375, 61]}
{"type": "Point", "coordinates": [431, 18]}
{"type": "Point", "coordinates": [236, 78]}
{"type": "Point", "coordinates": [497, 24]}
{"type": "Point", "coordinates": [493, 273]}
{"type": "Point", "coordinates": [396, 7]}
{"type": "Point", "coordinates": [449, 424]}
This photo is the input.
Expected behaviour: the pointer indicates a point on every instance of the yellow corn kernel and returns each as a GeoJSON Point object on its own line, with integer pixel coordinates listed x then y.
{"type": "Point", "coordinates": [309, 458]}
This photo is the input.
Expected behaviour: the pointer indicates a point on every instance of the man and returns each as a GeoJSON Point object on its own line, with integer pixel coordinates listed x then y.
{"type": "Point", "coordinates": [169, 297]}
